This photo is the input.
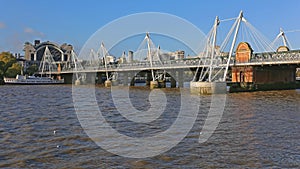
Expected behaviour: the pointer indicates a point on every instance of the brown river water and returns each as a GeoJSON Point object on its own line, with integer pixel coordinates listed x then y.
{"type": "Point", "coordinates": [39, 128]}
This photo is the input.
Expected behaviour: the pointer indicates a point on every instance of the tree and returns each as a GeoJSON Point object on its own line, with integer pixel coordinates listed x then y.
{"type": "Point", "coordinates": [14, 70]}
{"type": "Point", "coordinates": [9, 66]}
{"type": "Point", "coordinates": [6, 57]}
{"type": "Point", "coordinates": [32, 69]}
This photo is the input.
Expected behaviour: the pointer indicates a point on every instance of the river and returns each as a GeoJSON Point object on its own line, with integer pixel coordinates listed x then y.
{"type": "Point", "coordinates": [39, 128]}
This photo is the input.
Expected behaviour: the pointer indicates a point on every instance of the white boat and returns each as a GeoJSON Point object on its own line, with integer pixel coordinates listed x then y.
{"type": "Point", "coordinates": [32, 80]}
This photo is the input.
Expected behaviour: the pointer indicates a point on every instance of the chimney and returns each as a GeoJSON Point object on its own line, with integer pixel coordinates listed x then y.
{"type": "Point", "coordinates": [36, 42]}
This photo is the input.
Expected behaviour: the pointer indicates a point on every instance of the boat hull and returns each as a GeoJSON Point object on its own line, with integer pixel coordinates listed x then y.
{"type": "Point", "coordinates": [23, 80]}
{"type": "Point", "coordinates": [33, 83]}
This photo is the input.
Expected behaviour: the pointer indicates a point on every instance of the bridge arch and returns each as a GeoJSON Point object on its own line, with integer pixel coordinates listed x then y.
{"type": "Point", "coordinates": [58, 54]}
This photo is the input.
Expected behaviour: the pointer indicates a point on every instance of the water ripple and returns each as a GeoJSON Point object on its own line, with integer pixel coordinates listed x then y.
{"type": "Point", "coordinates": [39, 129]}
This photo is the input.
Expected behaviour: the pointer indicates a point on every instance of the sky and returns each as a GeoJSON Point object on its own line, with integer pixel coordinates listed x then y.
{"type": "Point", "coordinates": [73, 22]}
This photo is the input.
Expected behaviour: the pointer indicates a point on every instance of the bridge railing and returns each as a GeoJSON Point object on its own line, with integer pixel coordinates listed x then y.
{"type": "Point", "coordinates": [292, 57]}
{"type": "Point", "coordinates": [181, 63]}
{"type": "Point", "coordinates": [275, 57]}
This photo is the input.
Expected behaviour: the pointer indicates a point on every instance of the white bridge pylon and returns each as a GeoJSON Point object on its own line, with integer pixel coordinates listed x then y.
{"type": "Point", "coordinates": [219, 60]}
{"type": "Point", "coordinates": [147, 48]}
{"type": "Point", "coordinates": [103, 56]}
{"type": "Point", "coordinates": [47, 62]}
{"type": "Point", "coordinates": [77, 66]}
{"type": "Point", "coordinates": [282, 36]}
{"type": "Point", "coordinates": [284, 40]}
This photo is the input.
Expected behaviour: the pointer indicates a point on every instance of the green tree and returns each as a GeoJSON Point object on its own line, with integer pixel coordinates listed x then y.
{"type": "Point", "coordinates": [8, 66]}
{"type": "Point", "coordinates": [6, 57]}
{"type": "Point", "coordinates": [32, 69]}
{"type": "Point", "coordinates": [13, 70]}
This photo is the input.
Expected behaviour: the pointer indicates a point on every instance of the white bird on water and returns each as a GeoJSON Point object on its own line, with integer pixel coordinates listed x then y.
{"type": "Point", "coordinates": [54, 132]}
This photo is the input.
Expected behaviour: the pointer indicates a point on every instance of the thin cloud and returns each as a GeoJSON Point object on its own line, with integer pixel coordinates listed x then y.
{"type": "Point", "coordinates": [2, 25]}
{"type": "Point", "coordinates": [15, 40]}
{"type": "Point", "coordinates": [33, 32]}
{"type": "Point", "coordinates": [28, 30]}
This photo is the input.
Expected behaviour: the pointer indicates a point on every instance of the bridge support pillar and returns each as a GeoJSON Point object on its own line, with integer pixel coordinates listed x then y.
{"type": "Point", "coordinates": [132, 82]}
{"type": "Point", "coordinates": [180, 78]}
{"type": "Point", "coordinates": [207, 88]}
{"type": "Point", "coordinates": [173, 82]}
{"type": "Point", "coordinates": [77, 82]}
{"type": "Point", "coordinates": [132, 79]}
{"type": "Point", "coordinates": [125, 79]}
{"type": "Point", "coordinates": [107, 83]}
{"type": "Point", "coordinates": [148, 78]}
{"type": "Point", "coordinates": [154, 84]}
{"type": "Point", "coordinates": [172, 79]}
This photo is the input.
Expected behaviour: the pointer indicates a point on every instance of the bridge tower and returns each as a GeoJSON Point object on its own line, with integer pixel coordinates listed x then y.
{"type": "Point", "coordinates": [286, 44]}
{"type": "Point", "coordinates": [111, 78]}
{"type": "Point", "coordinates": [211, 85]}
{"type": "Point", "coordinates": [153, 56]}
{"type": "Point", "coordinates": [153, 82]}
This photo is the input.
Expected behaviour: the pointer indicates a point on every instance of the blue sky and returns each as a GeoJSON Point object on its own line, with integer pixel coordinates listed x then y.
{"type": "Point", "coordinates": [73, 22]}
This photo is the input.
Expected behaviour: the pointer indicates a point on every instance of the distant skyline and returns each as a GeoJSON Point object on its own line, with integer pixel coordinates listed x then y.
{"type": "Point", "coordinates": [73, 22]}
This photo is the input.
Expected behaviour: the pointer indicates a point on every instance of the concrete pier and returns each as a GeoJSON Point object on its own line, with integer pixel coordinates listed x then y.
{"type": "Point", "coordinates": [207, 88]}
{"type": "Point", "coordinates": [172, 79]}
{"type": "Point", "coordinates": [180, 78]}
{"type": "Point", "coordinates": [173, 82]}
{"type": "Point", "coordinates": [148, 78]}
{"type": "Point", "coordinates": [154, 84]}
{"type": "Point", "coordinates": [77, 82]}
{"type": "Point", "coordinates": [132, 81]}
{"type": "Point", "coordinates": [107, 83]}
{"type": "Point", "coordinates": [125, 79]}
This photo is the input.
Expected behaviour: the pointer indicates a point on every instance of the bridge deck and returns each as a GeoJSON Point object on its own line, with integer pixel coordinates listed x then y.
{"type": "Point", "coordinates": [292, 57]}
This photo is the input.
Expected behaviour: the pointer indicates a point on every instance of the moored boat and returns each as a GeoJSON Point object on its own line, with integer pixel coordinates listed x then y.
{"type": "Point", "coordinates": [32, 80]}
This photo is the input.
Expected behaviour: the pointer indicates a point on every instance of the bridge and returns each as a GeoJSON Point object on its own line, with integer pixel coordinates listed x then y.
{"type": "Point", "coordinates": [290, 57]}
{"type": "Point", "coordinates": [210, 66]}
